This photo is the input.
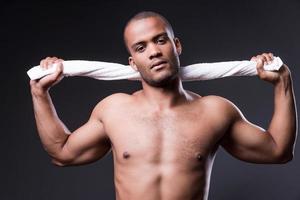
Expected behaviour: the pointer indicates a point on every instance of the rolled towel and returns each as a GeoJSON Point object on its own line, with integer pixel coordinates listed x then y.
{"type": "Point", "coordinates": [114, 71]}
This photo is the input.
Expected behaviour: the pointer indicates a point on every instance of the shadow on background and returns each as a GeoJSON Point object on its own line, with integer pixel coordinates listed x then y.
{"type": "Point", "coordinates": [210, 31]}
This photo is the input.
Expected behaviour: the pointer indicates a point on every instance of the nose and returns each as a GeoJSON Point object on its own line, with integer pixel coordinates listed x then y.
{"type": "Point", "coordinates": [154, 51]}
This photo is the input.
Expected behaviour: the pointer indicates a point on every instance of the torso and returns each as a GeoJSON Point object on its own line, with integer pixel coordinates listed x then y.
{"type": "Point", "coordinates": [164, 154]}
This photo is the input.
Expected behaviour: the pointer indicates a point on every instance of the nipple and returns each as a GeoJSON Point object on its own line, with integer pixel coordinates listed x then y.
{"type": "Point", "coordinates": [126, 155]}
{"type": "Point", "coordinates": [199, 157]}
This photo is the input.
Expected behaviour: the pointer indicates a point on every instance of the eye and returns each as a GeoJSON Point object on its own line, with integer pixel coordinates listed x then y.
{"type": "Point", "coordinates": [162, 40]}
{"type": "Point", "coordinates": [140, 48]}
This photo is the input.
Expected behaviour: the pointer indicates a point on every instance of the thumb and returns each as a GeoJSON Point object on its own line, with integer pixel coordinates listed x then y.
{"type": "Point", "coordinates": [261, 71]}
{"type": "Point", "coordinates": [58, 74]}
{"type": "Point", "coordinates": [259, 66]}
{"type": "Point", "coordinates": [52, 79]}
{"type": "Point", "coordinates": [59, 69]}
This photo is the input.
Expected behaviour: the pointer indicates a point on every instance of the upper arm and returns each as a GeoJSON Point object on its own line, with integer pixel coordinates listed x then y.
{"type": "Point", "coordinates": [86, 144]}
{"type": "Point", "coordinates": [247, 141]}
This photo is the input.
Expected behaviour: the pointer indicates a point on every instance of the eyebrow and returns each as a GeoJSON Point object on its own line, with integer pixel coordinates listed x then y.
{"type": "Point", "coordinates": [154, 38]}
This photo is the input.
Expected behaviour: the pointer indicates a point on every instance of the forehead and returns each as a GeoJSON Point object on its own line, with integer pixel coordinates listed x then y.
{"type": "Point", "coordinates": [144, 29]}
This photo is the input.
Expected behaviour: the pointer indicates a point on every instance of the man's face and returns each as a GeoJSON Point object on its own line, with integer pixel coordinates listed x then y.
{"type": "Point", "coordinates": [154, 52]}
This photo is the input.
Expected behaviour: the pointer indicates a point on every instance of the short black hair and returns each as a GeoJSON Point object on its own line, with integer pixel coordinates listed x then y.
{"type": "Point", "coordinates": [144, 15]}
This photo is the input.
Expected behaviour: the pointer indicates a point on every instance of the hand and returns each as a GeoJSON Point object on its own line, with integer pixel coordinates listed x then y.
{"type": "Point", "coordinates": [274, 77]}
{"type": "Point", "coordinates": [44, 84]}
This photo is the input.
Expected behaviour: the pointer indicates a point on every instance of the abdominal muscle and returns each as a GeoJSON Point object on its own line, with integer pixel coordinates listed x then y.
{"type": "Point", "coordinates": [138, 179]}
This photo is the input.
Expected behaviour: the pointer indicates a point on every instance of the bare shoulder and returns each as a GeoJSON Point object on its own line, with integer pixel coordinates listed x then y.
{"type": "Point", "coordinates": [215, 100]}
{"type": "Point", "coordinates": [112, 103]}
{"type": "Point", "coordinates": [219, 105]}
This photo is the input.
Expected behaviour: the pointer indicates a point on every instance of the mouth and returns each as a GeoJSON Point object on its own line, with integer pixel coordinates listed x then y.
{"type": "Point", "coordinates": [158, 64]}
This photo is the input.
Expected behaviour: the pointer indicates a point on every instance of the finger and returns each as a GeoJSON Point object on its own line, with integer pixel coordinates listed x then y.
{"type": "Point", "coordinates": [42, 64]}
{"type": "Point", "coordinates": [262, 58]}
{"type": "Point", "coordinates": [51, 79]}
{"type": "Point", "coordinates": [58, 60]}
{"type": "Point", "coordinates": [253, 58]}
{"type": "Point", "coordinates": [46, 62]}
{"type": "Point", "coordinates": [50, 62]}
{"type": "Point", "coordinates": [271, 55]}
{"type": "Point", "coordinates": [260, 64]}
{"type": "Point", "coordinates": [268, 57]}
{"type": "Point", "coordinates": [54, 59]}
{"type": "Point", "coordinates": [260, 68]}
{"type": "Point", "coordinates": [58, 71]}
{"type": "Point", "coordinates": [59, 68]}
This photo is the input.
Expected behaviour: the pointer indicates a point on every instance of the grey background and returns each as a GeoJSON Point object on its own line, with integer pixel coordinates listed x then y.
{"type": "Point", "coordinates": [210, 31]}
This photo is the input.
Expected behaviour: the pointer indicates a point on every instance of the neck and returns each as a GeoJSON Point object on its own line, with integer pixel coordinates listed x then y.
{"type": "Point", "coordinates": [165, 97]}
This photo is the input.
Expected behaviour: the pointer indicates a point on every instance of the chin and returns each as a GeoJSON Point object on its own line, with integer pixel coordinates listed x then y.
{"type": "Point", "coordinates": [162, 81]}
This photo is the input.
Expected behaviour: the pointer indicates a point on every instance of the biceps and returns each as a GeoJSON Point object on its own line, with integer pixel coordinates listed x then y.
{"type": "Point", "coordinates": [85, 145]}
{"type": "Point", "coordinates": [249, 142]}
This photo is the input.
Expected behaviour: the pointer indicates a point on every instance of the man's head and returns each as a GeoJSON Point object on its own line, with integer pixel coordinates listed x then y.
{"type": "Point", "coordinates": [153, 49]}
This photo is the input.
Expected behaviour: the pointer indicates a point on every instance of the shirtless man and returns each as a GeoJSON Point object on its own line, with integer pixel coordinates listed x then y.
{"type": "Point", "coordinates": [164, 138]}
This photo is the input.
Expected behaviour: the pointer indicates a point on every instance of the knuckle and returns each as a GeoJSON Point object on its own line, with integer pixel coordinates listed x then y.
{"type": "Point", "coordinates": [260, 59]}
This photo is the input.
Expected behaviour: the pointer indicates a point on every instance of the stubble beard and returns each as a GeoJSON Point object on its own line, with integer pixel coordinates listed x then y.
{"type": "Point", "coordinates": [164, 81]}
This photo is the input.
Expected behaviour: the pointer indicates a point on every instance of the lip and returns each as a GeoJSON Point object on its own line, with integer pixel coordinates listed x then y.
{"type": "Point", "coordinates": [157, 63]}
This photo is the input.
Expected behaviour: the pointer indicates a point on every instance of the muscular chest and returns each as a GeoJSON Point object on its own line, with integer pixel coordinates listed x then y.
{"type": "Point", "coordinates": [181, 135]}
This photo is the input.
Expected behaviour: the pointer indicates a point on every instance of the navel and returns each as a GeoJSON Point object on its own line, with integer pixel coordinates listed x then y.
{"type": "Point", "coordinates": [126, 155]}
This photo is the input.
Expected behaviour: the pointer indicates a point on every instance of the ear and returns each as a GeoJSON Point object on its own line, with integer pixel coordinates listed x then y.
{"type": "Point", "coordinates": [178, 46]}
{"type": "Point", "coordinates": [132, 63]}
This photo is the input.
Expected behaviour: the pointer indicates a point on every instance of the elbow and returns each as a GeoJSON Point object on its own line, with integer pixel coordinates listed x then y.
{"type": "Point", "coordinates": [58, 163]}
{"type": "Point", "coordinates": [289, 157]}
{"type": "Point", "coordinates": [61, 159]}
{"type": "Point", "coordinates": [284, 158]}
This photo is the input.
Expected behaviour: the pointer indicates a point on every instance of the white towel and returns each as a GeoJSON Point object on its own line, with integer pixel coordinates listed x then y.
{"type": "Point", "coordinates": [113, 71]}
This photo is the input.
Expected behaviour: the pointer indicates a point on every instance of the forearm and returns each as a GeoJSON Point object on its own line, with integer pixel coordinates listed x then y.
{"type": "Point", "coordinates": [283, 126]}
{"type": "Point", "coordinates": [52, 132]}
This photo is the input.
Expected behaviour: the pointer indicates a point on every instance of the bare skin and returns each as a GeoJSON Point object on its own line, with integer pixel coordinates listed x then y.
{"type": "Point", "coordinates": [164, 138]}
